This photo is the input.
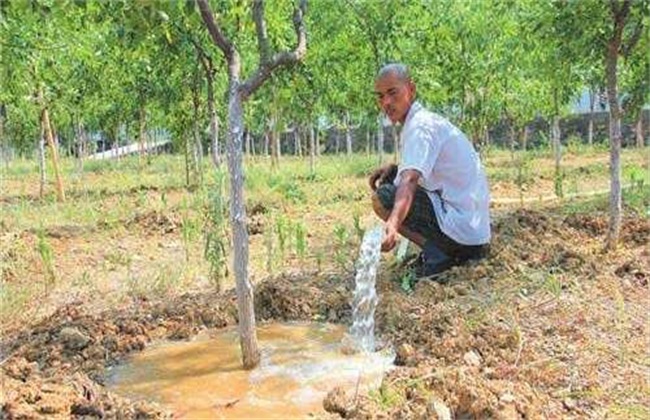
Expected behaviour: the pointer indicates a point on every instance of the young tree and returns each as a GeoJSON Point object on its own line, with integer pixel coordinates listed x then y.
{"type": "Point", "coordinates": [623, 19]}
{"type": "Point", "coordinates": [238, 92]}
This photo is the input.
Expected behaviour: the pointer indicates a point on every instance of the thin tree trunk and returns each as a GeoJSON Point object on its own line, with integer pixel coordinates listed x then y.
{"type": "Point", "coordinates": [247, 333]}
{"type": "Point", "coordinates": [275, 145]}
{"type": "Point", "coordinates": [214, 123]}
{"type": "Point", "coordinates": [142, 132]}
{"type": "Point", "coordinates": [639, 130]}
{"type": "Point", "coordinates": [512, 138]}
{"type": "Point", "coordinates": [337, 140]}
{"type": "Point", "coordinates": [247, 143]}
{"type": "Point", "coordinates": [590, 127]}
{"type": "Point", "coordinates": [251, 143]}
{"type": "Point", "coordinates": [80, 146]}
{"type": "Point", "coordinates": [186, 142]}
{"type": "Point", "coordinates": [297, 141]}
{"type": "Point", "coordinates": [348, 135]}
{"type": "Point", "coordinates": [312, 150]}
{"type": "Point", "coordinates": [317, 141]}
{"type": "Point", "coordinates": [615, 202]}
{"type": "Point", "coordinates": [557, 151]}
{"type": "Point", "coordinates": [524, 144]}
{"type": "Point", "coordinates": [60, 192]}
{"type": "Point", "coordinates": [197, 146]}
{"type": "Point", "coordinates": [266, 144]}
{"type": "Point", "coordinates": [41, 162]}
{"type": "Point", "coordinates": [236, 94]}
{"type": "Point", "coordinates": [368, 142]}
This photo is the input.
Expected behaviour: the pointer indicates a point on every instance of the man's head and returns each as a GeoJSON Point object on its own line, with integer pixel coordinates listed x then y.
{"type": "Point", "coordinates": [395, 91]}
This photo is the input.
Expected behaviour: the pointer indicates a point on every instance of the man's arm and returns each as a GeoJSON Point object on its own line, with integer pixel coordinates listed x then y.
{"type": "Point", "coordinates": [403, 201]}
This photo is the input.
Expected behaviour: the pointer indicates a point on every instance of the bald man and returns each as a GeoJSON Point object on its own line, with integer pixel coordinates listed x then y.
{"type": "Point", "coordinates": [438, 196]}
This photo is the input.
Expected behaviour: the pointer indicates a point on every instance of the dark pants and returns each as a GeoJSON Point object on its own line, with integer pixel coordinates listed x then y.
{"type": "Point", "coordinates": [421, 218]}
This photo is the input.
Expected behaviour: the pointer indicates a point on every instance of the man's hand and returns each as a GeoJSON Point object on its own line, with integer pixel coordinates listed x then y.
{"type": "Point", "coordinates": [384, 174]}
{"type": "Point", "coordinates": [390, 238]}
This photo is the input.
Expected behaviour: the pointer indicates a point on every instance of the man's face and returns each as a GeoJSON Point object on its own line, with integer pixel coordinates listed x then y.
{"type": "Point", "coordinates": [394, 96]}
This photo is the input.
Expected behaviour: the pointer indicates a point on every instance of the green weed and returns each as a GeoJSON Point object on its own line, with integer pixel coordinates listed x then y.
{"type": "Point", "coordinates": [44, 250]}
{"type": "Point", "coordinates": [386, 397]}
{"type": "Point", "coordinates": [553, 285]}
{"type": "Point", "coordinates": [358, 230]}
{"type": "Point", "coordinates": [282, 229]}
{"type": "Point", "coordinates": [301, 241]}
{"type": "Point", "coordinates": [216, 242]}
{"type": "Point", "coordinates": [341, 238]}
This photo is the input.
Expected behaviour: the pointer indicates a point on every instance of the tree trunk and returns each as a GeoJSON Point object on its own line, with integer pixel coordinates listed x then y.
{"type": "Point", "coordinates": [486, 136]}
{"type": "Point", "coordinates": [186, 142]}
{"type": "Point", "coordinates": [367, 142]}
{"type": "Point", "coordinates": [348, 135]}
{"type": "Point", "coordinates": [590, 127]}
{"type": "Point", "coordinates": [312, 150]}
{"type": "Point", "coordinates": [524, 143]}
{"type": "Point", "coordinates": [266, 144]}
{"type": "Point", "coordinates": [236, 94]}
{"type": "Point", "coordinates": [337, 140]}
{"type": "Point", "coordinates": [214, 124]}
{"type": "Point", "coordinates": [247, 333]}
{"type": "Point", "coordinates": [615, 202]}
{"type": "Point", "coordinates": [41, 162]}
{"type": "Point", "coordinates": [142, 132]}
{"type": "Point", "coordinates": [81, 145]}
{"type": "Point", "coordinates": [275, 145]}
{"type": "Point", "coordinates": [197, 144]}
{"type": "Point", "coordinates": [512, 138]}
{"type": "Point", "coordinates": [60, 193]}
{"type": "Point", "coordinates": [297, 141]}
{"type": "Point", "coordinates": [557, 151]}
{"type": "Point", "coordinates": [639, 129]}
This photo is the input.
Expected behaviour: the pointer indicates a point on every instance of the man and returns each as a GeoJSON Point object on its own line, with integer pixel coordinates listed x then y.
{"type": "Point", "coordinates": [438, 197]}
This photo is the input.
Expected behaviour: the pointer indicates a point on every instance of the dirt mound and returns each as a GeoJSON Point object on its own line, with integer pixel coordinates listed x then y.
{"type": "Point", "coordinates": [304, 297]}
{"type": "Point", "coordinates": [156, 222]}
{"type": "Point", "coordinates": [633, 229]}
{"type": "Point", "coordinates": [503, 338]}
{"type": "Point", "coordinates": [58, 367]}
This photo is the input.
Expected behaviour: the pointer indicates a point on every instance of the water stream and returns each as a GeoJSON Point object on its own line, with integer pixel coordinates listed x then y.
{"type": "Point", "coordinates": [362, 331]}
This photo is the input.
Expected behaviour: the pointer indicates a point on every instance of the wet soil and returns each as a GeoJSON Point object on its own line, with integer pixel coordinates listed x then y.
{"type": "Point", "coordinates": [547, 326]}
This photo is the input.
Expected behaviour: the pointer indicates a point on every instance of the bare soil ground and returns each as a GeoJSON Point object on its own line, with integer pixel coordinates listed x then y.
{"type": "Point", "coordinates": [547, 327]}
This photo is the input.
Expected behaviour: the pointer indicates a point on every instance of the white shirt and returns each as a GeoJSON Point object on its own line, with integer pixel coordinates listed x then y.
{"type": "Point", "coordinates": [451, 173]}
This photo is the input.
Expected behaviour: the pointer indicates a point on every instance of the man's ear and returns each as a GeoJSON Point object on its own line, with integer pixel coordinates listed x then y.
{"type": "Point", "coordinates": [412, 89]}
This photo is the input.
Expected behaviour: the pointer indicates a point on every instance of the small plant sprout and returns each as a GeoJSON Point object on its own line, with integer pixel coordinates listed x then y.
{"type": "Point", "coordinates": [341, 237]}
{"type": "Point", "coordinates": [281, 228]}
{"type": "Point", "coordinates": [356, 219]}
{"type": "Point", "coordinates": [301, 241]}
{"type": "Point", "coordinates": [44, 250]}
{"type": "Point", "coordinates": [215, 233]}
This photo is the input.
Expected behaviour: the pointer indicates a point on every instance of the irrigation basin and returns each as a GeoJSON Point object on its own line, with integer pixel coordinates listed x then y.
{"type": "Point", "coordinates": [203, 378]}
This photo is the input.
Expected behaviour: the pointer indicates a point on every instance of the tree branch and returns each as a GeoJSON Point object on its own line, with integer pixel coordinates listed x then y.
{"type": "Point", "coordinates": [260, 28]}
{"type": "Point", "coordinates": [626, 48]}
{"type": "Point", "coordinates": [284, 58]}
{"type": "Point", "coordinates": [215, 30]}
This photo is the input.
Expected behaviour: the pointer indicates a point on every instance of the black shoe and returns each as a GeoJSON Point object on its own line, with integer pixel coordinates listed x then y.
{"type": "Point", "coordinates": [434, 261]}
